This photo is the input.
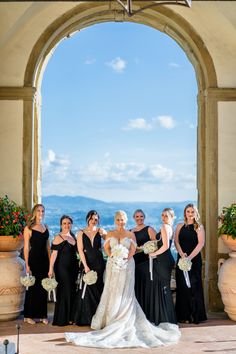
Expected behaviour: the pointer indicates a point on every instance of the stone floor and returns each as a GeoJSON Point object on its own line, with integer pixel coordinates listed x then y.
{"type": "Point", "coordinates": [217, 335]}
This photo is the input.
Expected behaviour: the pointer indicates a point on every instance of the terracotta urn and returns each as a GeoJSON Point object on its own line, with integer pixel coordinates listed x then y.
{"type": "Point", "coordinates": [229, 242]}
{"type": "Point", "coordinates": [227, 278]}
{"type": "Point", "coordinates": [12, 268]}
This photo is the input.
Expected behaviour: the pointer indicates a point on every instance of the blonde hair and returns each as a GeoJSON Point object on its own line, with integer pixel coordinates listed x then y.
{"type": "Point", "coordinates": [32, 220]}
{"type": "Point", "coordinates": [171, 214]}
{"type": "Point", "coordinates": [197, 222]}
{"type": "Point", "coordinates": [122, 214]}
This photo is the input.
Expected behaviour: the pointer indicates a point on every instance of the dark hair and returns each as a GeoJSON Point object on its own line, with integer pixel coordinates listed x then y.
{"type": "Point", "coordinates": [90, 214]}
{"type": "Point", "coordinates": [71, 220]}
{"type": "Point", "coordinates": [139, 211]}
{"type": "Point", "coordinates": [65, 217]}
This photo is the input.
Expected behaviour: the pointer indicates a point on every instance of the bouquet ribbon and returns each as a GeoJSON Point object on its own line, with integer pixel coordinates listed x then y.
{"type": "Point", "coordinates": [53, 295]}
{"type": "Point", "coordinates": [84, 289]}
{"type": "Point", "coordinates": [151, 267]}
{"type": "Point", "coordinates": [27, 274]}
{"type": "Point", "coordinates": [186, 277]}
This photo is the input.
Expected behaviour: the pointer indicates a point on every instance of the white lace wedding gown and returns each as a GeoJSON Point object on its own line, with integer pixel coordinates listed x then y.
{"type": "Point", "coordinates": [119, 321]}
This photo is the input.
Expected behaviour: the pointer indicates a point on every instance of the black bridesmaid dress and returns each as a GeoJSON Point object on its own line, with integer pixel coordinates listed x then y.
{"type": "Point", "coordinates": [66, 273]}
{"type": "Point", "coordinates": [36, 296]}
{"type": "Point", "coordinates": [142, 275]}
{"type": "Point", "coordinates": [85, 308]}
{"type": "Point", "coordinates": [161, 301]}
{"type": "Point", "coordinates": [154, 296]}
{"type": "Point", "coordinates": [190, 305]}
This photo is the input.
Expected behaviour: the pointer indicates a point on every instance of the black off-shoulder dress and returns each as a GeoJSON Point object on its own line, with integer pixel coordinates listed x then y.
{"type": "Point", "coordinates": [66, 273]}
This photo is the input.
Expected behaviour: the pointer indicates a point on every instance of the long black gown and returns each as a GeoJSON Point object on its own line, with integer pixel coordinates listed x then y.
{"type": "Point", "coordinates": [66, 273]}
{"type": "Point", "coordinates": [85, 308]}
{"type": "Point", "coordinates": [154, 296]}
{"type": "Point", "coordinates": [190, 301]}
{"type": "Point", "coordinates": [36, 296]}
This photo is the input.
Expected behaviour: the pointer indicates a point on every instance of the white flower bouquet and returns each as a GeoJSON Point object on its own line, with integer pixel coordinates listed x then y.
{"type": "Point", "coordinates": [185, 265]}
{"type": "Point", "coordinates": [119, 255]}
{"type": "Point", "coordinates": [150, 246]}
{"type": "Point", "coordinates": [50, 284]}
{"type": "Point", "coordinates": [89, 278]}
{"type": "Point", "coordinates": [27, 281]}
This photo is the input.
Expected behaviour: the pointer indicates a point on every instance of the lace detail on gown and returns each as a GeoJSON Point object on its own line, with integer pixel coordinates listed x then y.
{"type": "Point", "coordinates": [119, 320]}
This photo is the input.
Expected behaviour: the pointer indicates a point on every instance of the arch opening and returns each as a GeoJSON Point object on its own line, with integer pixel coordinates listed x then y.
{"type": "Point", "coordinates": [165, 20]}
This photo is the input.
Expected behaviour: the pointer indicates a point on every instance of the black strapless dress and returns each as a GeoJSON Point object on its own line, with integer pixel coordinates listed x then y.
{"type": "Point", "coordinates": [190, 301]}
{"type": "Point", "coordinates": [154, 296]}
{"type": "Point", "coordinates": [85, 308]}
{"type": "Point", "coordinates": [36, 296]}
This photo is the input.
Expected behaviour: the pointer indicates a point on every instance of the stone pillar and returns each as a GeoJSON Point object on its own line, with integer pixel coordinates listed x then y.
{"type": "Point", "coordinates": [16, 143]}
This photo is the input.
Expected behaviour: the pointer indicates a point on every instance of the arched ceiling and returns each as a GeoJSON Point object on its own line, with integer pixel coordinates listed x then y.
{"type": "Point", "coordinates": [22, 24]}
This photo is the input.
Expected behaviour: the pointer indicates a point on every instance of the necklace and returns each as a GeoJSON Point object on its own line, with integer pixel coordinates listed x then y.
{"type": "Point", "coordinates": [89, 231]}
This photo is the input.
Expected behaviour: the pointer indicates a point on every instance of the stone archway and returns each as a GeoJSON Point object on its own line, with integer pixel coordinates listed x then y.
{"type": "Point", "coordinates": [167, 21]}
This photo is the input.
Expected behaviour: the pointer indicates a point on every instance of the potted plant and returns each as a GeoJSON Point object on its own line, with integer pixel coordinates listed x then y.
{"type": "Point", "coordinates": [227, 226]}
{"type": "Point", "coordinates": [12, 222]}
{"type": "Point", "coordinates": [227, 271]}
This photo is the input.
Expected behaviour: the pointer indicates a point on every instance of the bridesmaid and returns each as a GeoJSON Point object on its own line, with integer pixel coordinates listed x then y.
{"type": "Point", "coordinates": [161, 301]}
{"type": "Point", "coordinates": [189, 241]}
{"type": "Point", "coordinates": [36, 255]}
{"type": "Point", "coordinates": [89, 246]}
{"type": "Point", "coordinates": [143, 283]}
{"type": "Point", "coordinates": [65, 264]}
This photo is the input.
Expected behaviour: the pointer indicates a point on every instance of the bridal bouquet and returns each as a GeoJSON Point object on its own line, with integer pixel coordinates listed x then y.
{"type": "Point", "coordinates": [27, 281]}
{"type": "Point", "coordinates": [50, 284]}
{"type": "Point", "coordinates": [119, 256]}
{"type": "Point", "coordinates": [150, 247]}
{"type": "Point", "coordinates": [185, 265]}
{"type": "Point", "coordinates": [89, 278]}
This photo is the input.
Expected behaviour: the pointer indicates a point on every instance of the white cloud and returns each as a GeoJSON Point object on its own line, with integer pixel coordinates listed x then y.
{"type": "Point", "coordinates": [55, 160]}
{"type": "Point", "coordinates": [174, 65]}
{"type": "Point", "coordinates": [90, 61]}
{"type": "Point", "coordinates": [117, 64]}
{"type": "Point", "coordinates": [138, 123]}
{"type": "Point", "coordinates": [109, 180]}
{"type": "Point", "coordinates": [166, 122]}
{"type": "Point", "coordinates": [55, 165]}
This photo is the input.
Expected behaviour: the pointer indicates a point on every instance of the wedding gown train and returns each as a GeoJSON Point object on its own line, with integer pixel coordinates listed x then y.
{"type": "Point", "coordinates": [119, 321]}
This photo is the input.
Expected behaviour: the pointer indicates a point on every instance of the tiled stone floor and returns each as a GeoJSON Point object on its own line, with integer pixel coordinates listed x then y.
{"type": "Point", "coordinates": [217, 335]}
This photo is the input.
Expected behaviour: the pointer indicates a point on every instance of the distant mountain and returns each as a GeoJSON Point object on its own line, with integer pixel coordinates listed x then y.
{"type": "Point", "coordinates": [78, 206]}
{"type": "Point", "coordinates": [72, 202]}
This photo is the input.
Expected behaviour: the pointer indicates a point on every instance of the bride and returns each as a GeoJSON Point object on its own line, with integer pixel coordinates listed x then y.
{"type": "Point", "coordinates": [119, 321]}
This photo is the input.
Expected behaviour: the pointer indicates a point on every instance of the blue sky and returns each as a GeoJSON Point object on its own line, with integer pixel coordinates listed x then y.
{"type": "Point", "coordinates": [119, 116]}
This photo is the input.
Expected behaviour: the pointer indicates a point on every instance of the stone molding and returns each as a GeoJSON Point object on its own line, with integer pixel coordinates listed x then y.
{"type": "Point", "coordinates": [18, 93]}
{"type": "Point", "coordinates": [220, 94]}
{"type": "Point", "coordinates": [30, 93]}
